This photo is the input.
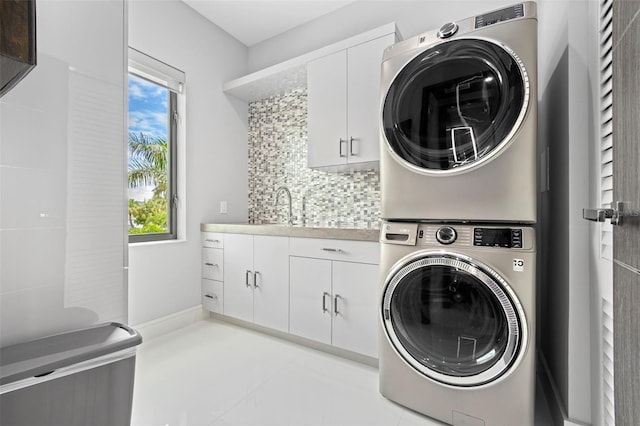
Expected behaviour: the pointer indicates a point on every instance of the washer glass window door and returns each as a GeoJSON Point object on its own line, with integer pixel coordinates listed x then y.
{"type": "Point", "coordinates": [451, 320]}
{"type": "Point", "coordinates": [455, 105]}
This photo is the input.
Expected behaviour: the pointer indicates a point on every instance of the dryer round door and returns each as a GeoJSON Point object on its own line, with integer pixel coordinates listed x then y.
{"type": "Point", "coordinates": [453, 319]}
{"type": "Point", "coordinates": [455, 106]}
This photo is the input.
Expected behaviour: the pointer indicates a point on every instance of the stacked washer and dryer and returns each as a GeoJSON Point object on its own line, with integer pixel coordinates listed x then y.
{"type": "Point", "coordinates": [458, 192]}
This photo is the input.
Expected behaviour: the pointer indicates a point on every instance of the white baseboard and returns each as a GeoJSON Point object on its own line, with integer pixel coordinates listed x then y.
{"type": "Point", "coordinates": [160, 326]}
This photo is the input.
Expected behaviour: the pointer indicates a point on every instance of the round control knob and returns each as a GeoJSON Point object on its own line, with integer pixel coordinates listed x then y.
{"type": "Point", "coordinates": [447, 30]}
{"type": "Point", "coordinates": [446, 235]}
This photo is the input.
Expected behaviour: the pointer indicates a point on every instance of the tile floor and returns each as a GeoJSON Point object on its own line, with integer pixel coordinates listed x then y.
{"type": "Point", "coordinates": [214, 373]}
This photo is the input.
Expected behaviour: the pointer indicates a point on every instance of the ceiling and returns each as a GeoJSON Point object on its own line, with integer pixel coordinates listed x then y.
{"type": "Point", "coordinates": [252, 21]}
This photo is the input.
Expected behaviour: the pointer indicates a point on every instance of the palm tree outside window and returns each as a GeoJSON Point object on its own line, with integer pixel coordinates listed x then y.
{"type": "Point", "coordinates": [152, 134]}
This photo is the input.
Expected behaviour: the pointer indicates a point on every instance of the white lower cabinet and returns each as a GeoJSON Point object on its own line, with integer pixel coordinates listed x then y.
{"type": "Point", "coordinates": [332, 301]}
{"type": "Point", "coordinates": [256, 279]}
{"type": "Point", "coordinates": [310, 303]}
{"type": "Point", "coordinates": [355, 313]}
{"type": "Point", "coordinates": [212, 295]}
{"type": "Point", "coordinates": [211, 267]}
{"type": "Point", "coordinates": [319, 289]}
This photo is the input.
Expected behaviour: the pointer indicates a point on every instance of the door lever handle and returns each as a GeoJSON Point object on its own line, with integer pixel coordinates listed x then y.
{"type": "Point", "coordinates": [597, 215]}
{"type": "Point", "coordinates": [616, 214]}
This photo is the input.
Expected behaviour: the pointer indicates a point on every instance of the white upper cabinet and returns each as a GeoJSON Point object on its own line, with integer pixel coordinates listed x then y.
{"type": "Point", "coordinates": [343, 100]}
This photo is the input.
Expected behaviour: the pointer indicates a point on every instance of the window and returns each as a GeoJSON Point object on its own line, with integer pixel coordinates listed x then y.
{"type": "Point", "coordinates": [153, 90]}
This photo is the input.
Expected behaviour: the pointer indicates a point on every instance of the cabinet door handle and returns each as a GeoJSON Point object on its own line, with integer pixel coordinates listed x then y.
{"type": "Point", "coordinates": [211, 296]}
{"type": "Point", "coordinates": [324, 303]}
{"type": "Point", "coordinates": [351, 151]}
{"type": "Point", "coordinates": [335, 304]}
{"type": "Point", "coordinates": [246, 278]}
{"type": "Point", "coordinates": [341, 141]}
{"type": "Point", "coordinates": [215, 265]}
{"type": "Point", "coordinates": [255, 279]}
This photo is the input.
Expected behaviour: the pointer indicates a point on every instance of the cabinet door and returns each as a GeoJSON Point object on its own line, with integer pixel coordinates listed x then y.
{"type": "Point", "coordinates": [271, 286]}
{"type": "Point", "coordinates": [355, 307]}
{"type": "Point", "coordinates": [238, 259]}
{"type": "Point", "coordinates": [363, 98]}
{"type": "Point", "coordinates": [327, 110]}
{"type": "Point", "coordinates": [310, 298]}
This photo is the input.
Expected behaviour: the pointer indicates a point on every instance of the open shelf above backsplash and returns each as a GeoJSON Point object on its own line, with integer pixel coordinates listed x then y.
{"type": "Point", "coordinates": [292, 74]}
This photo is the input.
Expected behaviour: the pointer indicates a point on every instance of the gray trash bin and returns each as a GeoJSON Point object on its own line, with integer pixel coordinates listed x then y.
{"type": "Point", "coordinates": [82, 378]}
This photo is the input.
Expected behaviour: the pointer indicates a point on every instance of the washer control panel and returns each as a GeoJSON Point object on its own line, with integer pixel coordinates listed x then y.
{"type": "Point", "coordinates": [497, 237]}
{"type": "Point", "coordinates": [439, 235]}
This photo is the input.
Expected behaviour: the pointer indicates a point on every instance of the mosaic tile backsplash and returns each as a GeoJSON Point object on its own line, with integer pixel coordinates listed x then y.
{"type": "Point", "coordinates": [278, 157]}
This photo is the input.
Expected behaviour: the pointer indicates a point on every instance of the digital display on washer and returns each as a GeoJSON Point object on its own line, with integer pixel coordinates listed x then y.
{"type": "Point", "coordinates": [516, 11]}
{"type": "Point", "coordinates": [497, 237]}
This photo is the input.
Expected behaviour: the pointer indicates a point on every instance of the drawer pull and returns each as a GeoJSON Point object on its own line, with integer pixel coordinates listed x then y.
{"type": "Point", "coordinates": [215, 265]}
{"type": "Point", "coordinates": [211, 296]}
{"type": "Point", "coordinates": [333, 250]}
{"type": "Point", "coordinates": [212, 241]}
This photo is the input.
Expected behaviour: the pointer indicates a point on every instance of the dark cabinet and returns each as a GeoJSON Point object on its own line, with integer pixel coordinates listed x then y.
{"type": "Point", "coordinates": [17, 41]}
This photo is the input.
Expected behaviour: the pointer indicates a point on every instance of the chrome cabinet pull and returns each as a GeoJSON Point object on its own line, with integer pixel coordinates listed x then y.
{"type": "Point", "coordinates": [211, 296]}
{"type": "Point", "coordinates": [341, 141]}
{"type": "Point", "coordinates": [335, 304]}
{"type": "Point", "coordinates": [215, 265]}
{"type": "Point", "coordinates": [351, 152]}
{"type": "Point", "coordinates": [255, 279]}
{"type": "Point", "coordinates": [333, 250]}
{"type": "Point", "coordinates": [246, 278]}
{"type": "Point", "coordinates": [324, 303]}
{"type": "Point", "coordinates": [212, 241]}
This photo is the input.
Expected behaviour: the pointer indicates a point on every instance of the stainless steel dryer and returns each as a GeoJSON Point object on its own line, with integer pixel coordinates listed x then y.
{"type": "Point", "coordinates": [459, 117]}
{"type": "Point", "coordinates": [457, 322]}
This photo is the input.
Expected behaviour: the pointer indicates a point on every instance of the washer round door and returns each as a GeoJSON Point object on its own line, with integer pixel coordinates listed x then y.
{"type": "Point", "coordinates": [453, 319]}
{"type": "Point", "coordinates": [455, 106]}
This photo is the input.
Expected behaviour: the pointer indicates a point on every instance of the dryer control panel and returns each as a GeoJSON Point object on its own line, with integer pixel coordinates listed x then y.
{"type": "Point", "coordinates": [512, 12]}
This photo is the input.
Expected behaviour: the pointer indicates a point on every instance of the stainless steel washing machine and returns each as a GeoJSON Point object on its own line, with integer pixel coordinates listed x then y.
{"type": "Point", "coordinates": [457, 321]}
{"type": "Point", "coordinates": [459, 118]}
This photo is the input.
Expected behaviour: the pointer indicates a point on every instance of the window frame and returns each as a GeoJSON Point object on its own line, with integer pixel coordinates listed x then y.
{"type": "Point", "coordinates": [157, 72]}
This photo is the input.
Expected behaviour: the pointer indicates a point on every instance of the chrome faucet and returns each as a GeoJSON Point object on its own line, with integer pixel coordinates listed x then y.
{"type": "Point", "coordinates": [286, 191]}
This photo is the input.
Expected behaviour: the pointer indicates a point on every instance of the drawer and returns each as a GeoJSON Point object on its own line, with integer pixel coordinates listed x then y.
{"type": "Point", "coordinates": [212, 295]}
{"type": "Point", "coordinates": [212, 239]}
{"type": "Point", "coordinates": [212, 264]}
{"type": "Point", "coordinates": [345, 250]}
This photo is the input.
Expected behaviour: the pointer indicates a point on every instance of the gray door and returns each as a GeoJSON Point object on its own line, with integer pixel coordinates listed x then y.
{"type": "Point", "coordinates": [626, 188]}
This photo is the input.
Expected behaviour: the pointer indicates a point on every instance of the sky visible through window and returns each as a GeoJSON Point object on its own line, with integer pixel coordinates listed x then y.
{"type": "Point", "coordinates": [148, 114]}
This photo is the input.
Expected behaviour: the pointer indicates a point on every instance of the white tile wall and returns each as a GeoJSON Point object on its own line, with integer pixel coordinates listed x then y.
{"type": "Point", "coordinates": [278, 156]}
{"type": "Point", "coordinates": [62, 176]}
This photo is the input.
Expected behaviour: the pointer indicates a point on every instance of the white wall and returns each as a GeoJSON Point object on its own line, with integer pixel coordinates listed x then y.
{"type": "Point", "coordinates": [411, 17]}
{"type": "Point", "coordinates": [564, 113]}
{"type": "Point", "coordinates": [62, 176]}
{"type": "Point", "coordinates": [164, 278]}
{"type": "Point", "coordinates": [564, 110]}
